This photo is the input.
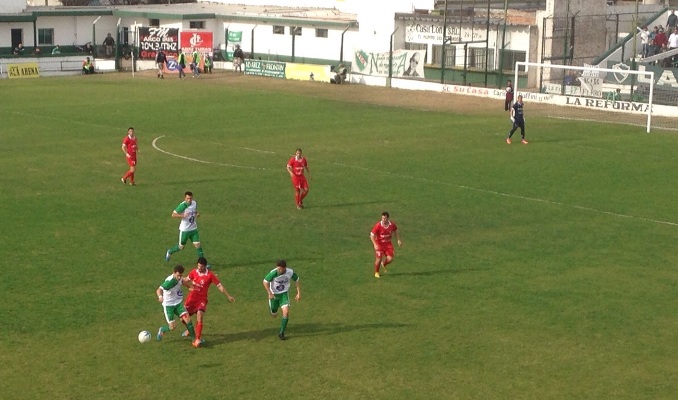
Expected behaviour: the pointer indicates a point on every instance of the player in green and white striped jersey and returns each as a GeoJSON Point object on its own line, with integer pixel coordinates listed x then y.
{"type": "Point", "coordinates": [277, 283]}
{"type": "Point", "coordinates": [187, 210]}
{"type": "Point", "coordinates": [171, 295]}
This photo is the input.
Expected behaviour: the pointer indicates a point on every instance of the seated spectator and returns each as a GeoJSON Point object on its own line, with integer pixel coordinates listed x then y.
{"type": "Point", "coordinates": [36, 51]}
{"type": "Point", "coordinates": [56, 50]}
{"type": "Point", "coordinates": [339, 76]}
{"type": "Point", "coordinates": [208, 64]}
{"type": "Point", "coordinates": [87, 67]}
{"type": "Point", "coordinates": [19, 50]}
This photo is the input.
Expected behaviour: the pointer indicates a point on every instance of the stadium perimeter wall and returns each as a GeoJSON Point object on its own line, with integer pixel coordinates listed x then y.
{"type": "Point", "coordinates": [625, 107]}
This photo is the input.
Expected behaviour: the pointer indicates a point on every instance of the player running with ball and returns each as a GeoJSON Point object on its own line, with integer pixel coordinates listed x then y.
{"type": "Point", "coordinates": [196, 301]}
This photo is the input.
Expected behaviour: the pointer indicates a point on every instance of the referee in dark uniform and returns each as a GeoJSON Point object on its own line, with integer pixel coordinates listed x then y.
{"type": "Point", "coordinates": [518, 120]}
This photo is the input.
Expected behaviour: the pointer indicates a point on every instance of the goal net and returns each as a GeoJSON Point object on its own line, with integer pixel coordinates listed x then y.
{"type": "Point", "coordinates": [597, 94]}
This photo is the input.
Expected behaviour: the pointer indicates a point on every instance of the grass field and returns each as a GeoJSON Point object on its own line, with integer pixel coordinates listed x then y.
{"type": "Point", "coordinates": [545, 271]}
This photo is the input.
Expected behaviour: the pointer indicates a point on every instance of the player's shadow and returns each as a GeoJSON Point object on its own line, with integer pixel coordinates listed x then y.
{"type": "Point", "coordinates": [269, 262]}
{"type": "Point", "coordinates": [320, 329]}
{"type": "Point", "coordinates": [296, 330]}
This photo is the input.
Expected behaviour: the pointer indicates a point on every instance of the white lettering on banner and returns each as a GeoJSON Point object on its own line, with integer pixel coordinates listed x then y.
{"type": "Point", "coordinates": [466, 90]}
{"type": "Point", "coordinates": [433, 34]}
{"type": "Point", "coordinates": [607, 104]}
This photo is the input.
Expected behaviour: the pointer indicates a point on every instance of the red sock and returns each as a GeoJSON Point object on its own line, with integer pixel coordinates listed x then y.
{"type": "Point", "coordinates": [198, 330]}
{"type": "Point", "coordinates": [376, 267]}
{"type": "Point", "coordinates": [127, 175]}
{"type": "Point", "coordinates": [132, 177]}
{"type": "Point", "coordinates": [297, 198]}
{"type": "Point", "coordinates": [301, 198]}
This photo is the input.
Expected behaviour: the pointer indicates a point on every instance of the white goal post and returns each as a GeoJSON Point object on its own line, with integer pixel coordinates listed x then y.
{"type": "Point", "coordinates": [619, 95]}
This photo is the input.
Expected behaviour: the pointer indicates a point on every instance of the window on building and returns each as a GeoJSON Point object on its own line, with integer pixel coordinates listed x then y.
{"type": "Point", "coordinates": [46, 36]}
{"type": "Point", "coordinates": [476, 57]}
{"type": "Point", "coordinates": [196, 24]}
{"type": "Point", "coordinates": [320, 32]}
{"type": "Point", "coordinates": [450, 55]}
{"type": "Point", "coordinates": [278, 30]}
{"type": "Point", "coordinates": [154, 22]}
{"type": "Point", "coordinates": [511, 57]}
{"type": "Point", "coordinates": [295, 30]}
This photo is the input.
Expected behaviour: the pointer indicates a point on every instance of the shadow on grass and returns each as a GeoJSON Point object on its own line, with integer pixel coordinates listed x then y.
{"type": "Point", "coordinates": [270, 262]}
{"type": "Point", "coordinates": [295, 331]}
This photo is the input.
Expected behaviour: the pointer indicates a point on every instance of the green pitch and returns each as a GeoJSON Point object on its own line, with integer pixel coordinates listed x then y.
{"type": "Point", "coordinates": [545, 271]}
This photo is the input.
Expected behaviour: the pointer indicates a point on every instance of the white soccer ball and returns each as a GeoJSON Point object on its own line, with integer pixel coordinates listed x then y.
{"type": "Point", "coordinates": [144, 337]}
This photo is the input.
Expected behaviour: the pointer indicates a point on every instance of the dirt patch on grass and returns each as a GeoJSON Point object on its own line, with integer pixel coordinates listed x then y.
{"type": "Point", "coordinates": [411, 99]}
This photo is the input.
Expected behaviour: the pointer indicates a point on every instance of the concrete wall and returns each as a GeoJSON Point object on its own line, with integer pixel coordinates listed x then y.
{"type": "Point", "coordinates": [349, 6]}
{"type": "Point", "coordinates": [12, 6]}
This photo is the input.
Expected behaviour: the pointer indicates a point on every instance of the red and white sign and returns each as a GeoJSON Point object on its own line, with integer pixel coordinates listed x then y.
{"type": "Point", "coordinates": [196, 40]}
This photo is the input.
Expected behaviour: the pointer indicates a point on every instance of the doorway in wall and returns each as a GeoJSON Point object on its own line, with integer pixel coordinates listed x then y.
{"type": "Point", "coordinates": [17, 37]}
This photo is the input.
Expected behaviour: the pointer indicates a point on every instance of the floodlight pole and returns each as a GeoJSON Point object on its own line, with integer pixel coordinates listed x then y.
{"type": "Point", "coordinates": [118, 65]}
{"type": "Point", "coordinates": [94, 37]}
{"type": "Point", "coordinates": [503, 44]}
{"type": "Point", "coordinates": [390, 58]}
{"type": "Point", "coordinates": [442, 61]}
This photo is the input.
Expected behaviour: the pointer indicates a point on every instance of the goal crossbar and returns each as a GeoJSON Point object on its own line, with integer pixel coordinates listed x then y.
{"type": "Point", "coordinates": [590, 70]}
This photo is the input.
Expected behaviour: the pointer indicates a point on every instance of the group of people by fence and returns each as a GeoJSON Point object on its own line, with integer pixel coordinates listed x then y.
{"type": "Point", "coordinates": [661, 40]}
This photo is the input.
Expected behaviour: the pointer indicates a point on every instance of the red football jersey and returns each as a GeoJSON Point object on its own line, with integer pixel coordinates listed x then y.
{"type": "Point", "coordinates": [201, 284]}
{"type": "Point", "coordinates": [297, 165]}
{"type": "Point", "coordinates": [131, 144]}
{"type": "Point", "coordinates": [383, 233]}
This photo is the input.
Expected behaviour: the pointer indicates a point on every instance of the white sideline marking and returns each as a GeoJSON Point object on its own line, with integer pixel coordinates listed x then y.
{"type": "Point", "coordinates": [155, 146]}
{"type": "Point", "coordinates": [515, 196]}
{"type": "Point", "coordinates": [383, 172]}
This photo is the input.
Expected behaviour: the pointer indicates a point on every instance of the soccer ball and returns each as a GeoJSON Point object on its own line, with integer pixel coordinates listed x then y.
{"type": "Point", "coordinates": [144, 337]}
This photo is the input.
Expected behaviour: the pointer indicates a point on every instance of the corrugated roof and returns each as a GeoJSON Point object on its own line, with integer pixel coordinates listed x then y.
{"type": "Point", "coordinates": [203, 10]}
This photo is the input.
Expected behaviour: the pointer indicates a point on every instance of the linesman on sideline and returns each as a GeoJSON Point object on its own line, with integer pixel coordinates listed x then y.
{"type": "Point", "coordinates": [518, 119]}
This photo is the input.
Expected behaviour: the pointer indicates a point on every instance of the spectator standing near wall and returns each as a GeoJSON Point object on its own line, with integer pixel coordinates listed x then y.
{"type": "Point", "coordinates": [238, 57]}
{"type": "Point", "coordinates": [644, 40]}
{"type": "Point", "coordinates": [109, 42]}
{"type": "Point", "coordinates": [160, 60]}
{"type": "Point", "coordinates": [671, 21]}
{"type": "Point", "coordinates": [660, 40]}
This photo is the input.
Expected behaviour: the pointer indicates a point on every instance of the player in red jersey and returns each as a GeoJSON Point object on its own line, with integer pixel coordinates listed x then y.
{"type": "Point", "coordinates": [295, 167]}
{"type": "Point", "coordinates": [508, 99]}
{"type": "Point", "coordinates": [196, 301]}
{"type": "Point", "coordinates": [129, 147]}
{"type": "Point", "coordinates": [381, 239]}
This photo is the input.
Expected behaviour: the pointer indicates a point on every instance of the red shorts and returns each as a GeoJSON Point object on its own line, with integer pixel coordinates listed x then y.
{"type": "Point", "coordinates": [195, 305]}
{"type": "Point", "coordinates": [132, 161]}
{"type": "Point", "coordinates": [299, 182]}
{"type": "Point", "coordinates": [385, 249]}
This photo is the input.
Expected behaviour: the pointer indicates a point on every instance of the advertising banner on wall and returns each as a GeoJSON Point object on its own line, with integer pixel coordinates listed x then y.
{"type": "Point", "coordinates": [201, 41]}
{"type": "Point", "coordinates": [25, 70]}
{"type": "Point", "coordinates": [273, 69]}
{"type": "Point", "coordinates": [152, 40]}
{"type": "Point", "coordinates": [426, 33]}
{"type": "Point", "coordinates": [234, 37]}
{"type": "Point", "coordinates": [406, 63]}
